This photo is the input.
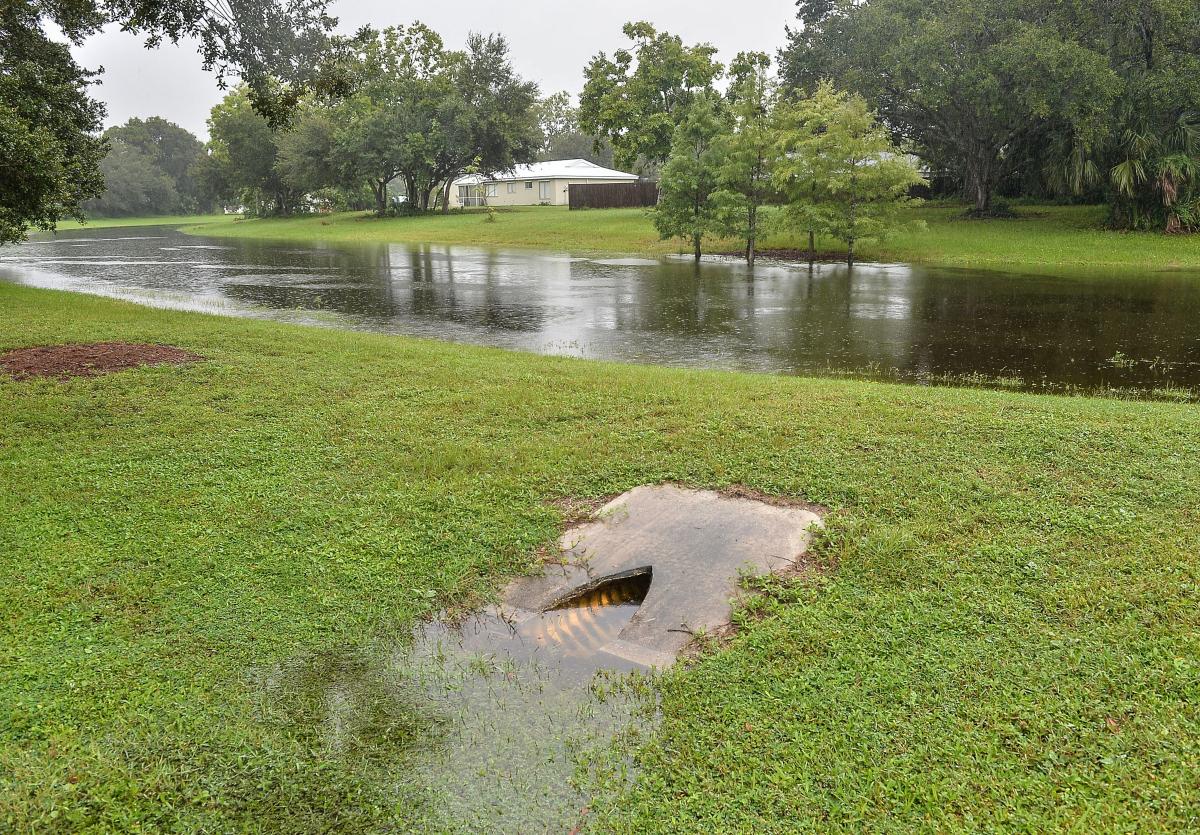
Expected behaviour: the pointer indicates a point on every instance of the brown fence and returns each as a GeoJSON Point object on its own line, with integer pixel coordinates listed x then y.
{"type": "Point", "coordinates": [612, 195]}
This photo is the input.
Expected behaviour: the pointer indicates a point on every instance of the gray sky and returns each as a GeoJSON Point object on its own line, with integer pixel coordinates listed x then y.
{"type": "Point", "coordinates": [551, 41]}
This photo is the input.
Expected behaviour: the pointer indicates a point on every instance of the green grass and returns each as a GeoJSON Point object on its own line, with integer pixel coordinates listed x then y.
{"type": "Point", "coordinates": [1044, 238]}
{"type": "Point", "coordinates": [1007, 637]}
{"type": "Point", "coordinates": [156, 220]}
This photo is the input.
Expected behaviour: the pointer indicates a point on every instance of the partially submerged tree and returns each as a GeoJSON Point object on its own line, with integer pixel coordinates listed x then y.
{"type": "Point", "coordinates": [841, 172]}
{"type": "Point", "coordinates": [748, 155]}
{"type": "Point", "coordinates": [635, 99]}
{"type": "Point", "coordinates": [685, 206]}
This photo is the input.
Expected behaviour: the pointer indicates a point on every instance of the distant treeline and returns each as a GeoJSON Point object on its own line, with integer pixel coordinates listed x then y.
{"type": "Point", "coordinates": [151, 168]}
{"type": "Point", "coordinates": [996, 99]}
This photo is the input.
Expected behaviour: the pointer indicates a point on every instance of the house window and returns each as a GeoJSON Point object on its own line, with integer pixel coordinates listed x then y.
{"type": "Point", "coordinates": [491, 189]}
{"type": "Point", "coordinates": [512, 188]}
{"type": "Point", "coordinates": [544, 190]}
{"type": "Point", "coordinates": [529, 184]}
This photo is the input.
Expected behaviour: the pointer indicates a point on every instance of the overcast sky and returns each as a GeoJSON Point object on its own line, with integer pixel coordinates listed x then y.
{"type": "Point", "coordinates": [551, 41]}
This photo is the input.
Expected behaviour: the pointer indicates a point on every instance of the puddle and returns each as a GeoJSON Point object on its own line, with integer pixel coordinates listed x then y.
{"type": "Point", "coordinates": [502, 722]}
{"type": "Point", "coordinates": [488, 725]}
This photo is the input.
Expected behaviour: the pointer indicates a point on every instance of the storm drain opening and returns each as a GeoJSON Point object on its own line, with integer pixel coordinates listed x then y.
{"type": "Point", "coordinates": [591, 617]}
{"type": "Point", "coordinates": [505, 716]}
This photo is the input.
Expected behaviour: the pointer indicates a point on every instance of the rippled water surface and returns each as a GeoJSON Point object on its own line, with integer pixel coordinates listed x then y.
{"type": "Point", "coordinates": [1139, 332]}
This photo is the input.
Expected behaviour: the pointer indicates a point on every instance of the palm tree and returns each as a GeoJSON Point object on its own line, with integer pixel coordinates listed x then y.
{"type": "Point", "coordinates": [1157, 177]}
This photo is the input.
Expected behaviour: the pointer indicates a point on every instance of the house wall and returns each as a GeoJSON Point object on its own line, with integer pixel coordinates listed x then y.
{"type": "Point", "coordinates": [522, 196]}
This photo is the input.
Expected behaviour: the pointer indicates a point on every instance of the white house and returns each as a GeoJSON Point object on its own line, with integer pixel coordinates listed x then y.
{"type": "Point", "coordinates": [543, 183]}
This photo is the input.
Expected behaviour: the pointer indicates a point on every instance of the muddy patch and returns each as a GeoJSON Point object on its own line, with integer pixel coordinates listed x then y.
{"type": "Point", "coordinates": [63, 362]}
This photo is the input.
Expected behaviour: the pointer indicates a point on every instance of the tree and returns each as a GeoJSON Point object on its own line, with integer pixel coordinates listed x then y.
{"type": "Point", "coordinates": [841, 172]}
{"type": "Point", "coordinates": [133, 185]}
{"type": "Point", "coordinates": [426, 115]}
{"type": "Point", "coordinates": [685, 207]}
{"type": "Point", "coordinates": [748, 155]}
{"type": "Point", "coordinates": [562, 138]}
{"type": "Point", "coordinates": [385, 129]}
{"type": "Point", "coordinates": [966, 82]}
{"type": "Point", "coordinates": [1150, 158]}
{"type": "Point", "coordinates": [172, 150]}
{"type": "Point", "coordinates": [636, 99]}
{"type": "Point", "coordinates": [241, 163]}
{"type": "Point", "coordinates": [49, 148]}
{"type": "Point", "coordinates": [490, 125]}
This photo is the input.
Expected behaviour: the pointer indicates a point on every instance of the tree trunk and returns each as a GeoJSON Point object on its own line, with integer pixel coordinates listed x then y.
{"type": "Point", "coordinates": [812, 246]}
{"type": "Point", "coordinates": [446, 195]}
{"type": "Point", "coordinates": [750, 240]}
{"type": "Point", "coordinates": [379, 187]}
{"type": "Point", "coordinates": [983, 196]}
{"type": "Point", "coordinates": [850, 252]}
{"type": "Point", "coordinates": [979, 180]}
{"type": "Point", "coordinates": [696, 247]}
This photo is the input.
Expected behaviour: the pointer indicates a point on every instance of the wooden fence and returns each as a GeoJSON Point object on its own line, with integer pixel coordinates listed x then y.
{"type": "Point", "coordinates": [612, 195]}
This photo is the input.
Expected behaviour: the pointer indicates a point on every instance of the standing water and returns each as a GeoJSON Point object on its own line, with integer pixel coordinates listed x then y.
{"type": "Point", "coordinates": [483, 725]}
{"type": "Point", "coordinates": [1138, 332]}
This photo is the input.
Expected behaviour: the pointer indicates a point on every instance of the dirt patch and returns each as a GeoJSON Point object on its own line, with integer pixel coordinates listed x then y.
{"type": "Point", "coordinates": [89, 360]}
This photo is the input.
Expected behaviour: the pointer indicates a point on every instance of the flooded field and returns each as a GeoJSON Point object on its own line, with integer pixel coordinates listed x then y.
{"type": "Point", "coordinates": [1136, 334]}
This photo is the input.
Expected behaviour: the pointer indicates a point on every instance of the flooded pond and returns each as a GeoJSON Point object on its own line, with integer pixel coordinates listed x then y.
{"type": "Point", "coordinates": [1138, 333]}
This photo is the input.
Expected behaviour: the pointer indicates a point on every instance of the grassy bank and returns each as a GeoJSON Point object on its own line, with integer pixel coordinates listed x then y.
{"type": "Point", "coordinates": [1006, 636]}
{"type": "Point", "coordinates": [156, 220]}
{"type": "Point", "coordinates": [1044, 238]}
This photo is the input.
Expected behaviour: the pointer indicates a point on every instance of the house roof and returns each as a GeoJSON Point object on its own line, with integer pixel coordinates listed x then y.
{"type": "Point", "coordinates": [553, 170]}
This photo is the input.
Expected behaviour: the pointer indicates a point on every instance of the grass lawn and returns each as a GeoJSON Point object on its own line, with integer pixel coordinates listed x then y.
{"type": "Point", "coordinates": [1045, 238]}
{"type": "Point", "coordinates": [1007, 636]}
{"type": "Point", "coordinates": [157, 220]}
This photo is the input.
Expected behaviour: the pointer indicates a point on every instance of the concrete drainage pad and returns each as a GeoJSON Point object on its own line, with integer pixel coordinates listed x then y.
{"type": "Point", "coordinates": [693, 543]}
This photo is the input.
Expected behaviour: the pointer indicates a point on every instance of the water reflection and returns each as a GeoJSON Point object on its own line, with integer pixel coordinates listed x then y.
{"type": "Point", "coordinates": [1139, 332]}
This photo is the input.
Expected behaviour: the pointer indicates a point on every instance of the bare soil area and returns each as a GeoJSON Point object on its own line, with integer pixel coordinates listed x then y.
{"type": "Point", "coordinates": [89, 360]}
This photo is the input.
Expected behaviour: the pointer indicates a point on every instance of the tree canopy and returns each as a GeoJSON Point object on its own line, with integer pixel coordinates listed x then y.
{"type": "Point", "coordinates": [1064, 98]}
{"type": "Point", "coordinates": [50, 149]}
{"type": "Point", "coordinates": [416, 112]}
{"type": "Point", "coordinates": [241, 163]}
{"type": "Point", "coordinates": [637, 98]}
{"type": "Point", "coordinates": [562, 135]}
{"type": "Point", "coordinates": [161, 150]}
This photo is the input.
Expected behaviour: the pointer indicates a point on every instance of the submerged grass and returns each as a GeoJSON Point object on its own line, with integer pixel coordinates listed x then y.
{"type": "Point", "coordinates": [1008, 636]}
{"type": "Point", "coordinates": [1043, 239]}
